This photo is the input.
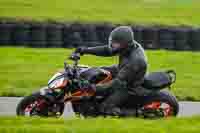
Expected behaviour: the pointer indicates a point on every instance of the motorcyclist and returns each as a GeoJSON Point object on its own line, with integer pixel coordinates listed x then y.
{"type": "Point", "coordinates": [131, 68]}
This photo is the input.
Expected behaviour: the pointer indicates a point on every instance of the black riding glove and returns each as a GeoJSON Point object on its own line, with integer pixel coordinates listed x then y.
{"type": "Point", "coordinates": [80, 50]}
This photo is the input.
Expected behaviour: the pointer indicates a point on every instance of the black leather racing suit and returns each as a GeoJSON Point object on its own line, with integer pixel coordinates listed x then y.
{"type": "Point", "coordinates": [131, 70]}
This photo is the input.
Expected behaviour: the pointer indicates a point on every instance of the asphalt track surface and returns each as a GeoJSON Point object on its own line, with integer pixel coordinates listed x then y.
{"type": "Point", "coordinates": [8, 108]}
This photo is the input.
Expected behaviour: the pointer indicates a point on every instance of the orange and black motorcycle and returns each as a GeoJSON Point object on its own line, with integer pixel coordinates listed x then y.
{"type": "Point", "coordinates": [73, 85]}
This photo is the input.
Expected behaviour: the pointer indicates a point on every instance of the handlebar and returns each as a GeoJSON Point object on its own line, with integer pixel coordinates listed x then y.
{"type": "Point", "coordinates": [74, 69]}
{"type": "Point", "coordinates": [75, 56]}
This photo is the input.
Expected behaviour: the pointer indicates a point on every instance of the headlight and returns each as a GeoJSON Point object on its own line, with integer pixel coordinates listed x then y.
{"type": "Point", "coordinates": [57, 83]}
{"type": "Point", "coordinates": [55, 76]}
{"type": "Point", "coordinates": [59, 80]}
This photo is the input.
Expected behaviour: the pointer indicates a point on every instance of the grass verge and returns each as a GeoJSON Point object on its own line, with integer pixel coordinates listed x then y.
{"type": "Point", "coordinates": [99, 125]}
{"type": "Point", "coordinates": [23, 70]}
{"type": "Point", "coordinates": [167, 12]}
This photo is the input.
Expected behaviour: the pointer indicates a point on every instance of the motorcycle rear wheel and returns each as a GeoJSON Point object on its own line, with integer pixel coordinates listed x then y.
{"type": "Point", "coordinates": [160, 105]}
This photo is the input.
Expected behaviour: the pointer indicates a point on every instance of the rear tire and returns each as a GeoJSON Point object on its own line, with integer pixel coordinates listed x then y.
{"type": "Point", "coordinates": [164, 97]}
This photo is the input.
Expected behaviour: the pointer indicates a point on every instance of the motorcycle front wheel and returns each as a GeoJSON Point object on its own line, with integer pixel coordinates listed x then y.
{"type": "Point", "coordinates": [38, 105]}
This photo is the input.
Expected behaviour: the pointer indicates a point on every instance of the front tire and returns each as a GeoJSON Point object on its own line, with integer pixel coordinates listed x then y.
{"type": "Point", "coordinates": [29, 106]}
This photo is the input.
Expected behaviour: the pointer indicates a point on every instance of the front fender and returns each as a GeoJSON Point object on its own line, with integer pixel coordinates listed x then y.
{"type": "Point", "coordinates": [46, 93]}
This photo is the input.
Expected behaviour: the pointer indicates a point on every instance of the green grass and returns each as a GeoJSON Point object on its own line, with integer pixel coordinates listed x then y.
{"type": "Point", "coordinates": [99, 125]}
{"type": "Point", "coordinates": [23, 70]}
{"type": "Point", "coordinates": [167, 12]}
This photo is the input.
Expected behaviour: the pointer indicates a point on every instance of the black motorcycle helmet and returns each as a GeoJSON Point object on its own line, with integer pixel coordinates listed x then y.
{"type": "Point", "coordinates": [121, 38]}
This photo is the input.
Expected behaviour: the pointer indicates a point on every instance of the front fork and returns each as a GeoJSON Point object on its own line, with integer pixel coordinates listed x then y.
{"type": "Point", "coordinates": [48, 94]}
{"type": "Point", "coordinates": [55, 100]}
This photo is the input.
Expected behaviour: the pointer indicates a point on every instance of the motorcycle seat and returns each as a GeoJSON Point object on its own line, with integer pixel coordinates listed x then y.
{"type": "Point", "coordinates": [157, 80]}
